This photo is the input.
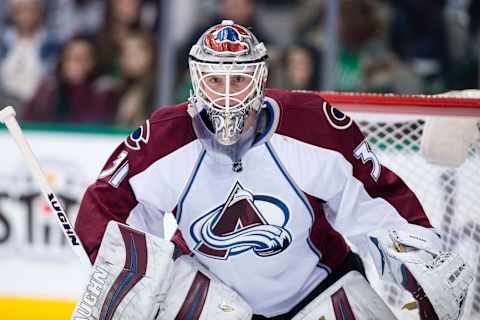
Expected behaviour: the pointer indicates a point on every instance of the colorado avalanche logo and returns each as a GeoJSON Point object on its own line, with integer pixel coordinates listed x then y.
{"type": "Point", "coordinates": [336, 118]}
{"type": "Point", "coordinates": [227, 40]}
{"type": "Point", "coordinates": [237, 226]}
{"type": "Point", "coordinates": [139, 137]}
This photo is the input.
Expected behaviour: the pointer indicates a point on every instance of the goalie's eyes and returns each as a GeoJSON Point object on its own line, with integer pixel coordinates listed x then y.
{"type": "Point", "coordinates": [214, 80]}
{"type": "Point", "coordinates": [236, 81]}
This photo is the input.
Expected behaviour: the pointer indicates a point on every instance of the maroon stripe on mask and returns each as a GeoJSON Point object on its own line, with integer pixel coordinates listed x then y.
{"type": "Point", "coordinates": [341, 306]}
{"type": "Point", "coordinates": [197, 294]}
{"type": "Point", "coordinates": [133, 270]}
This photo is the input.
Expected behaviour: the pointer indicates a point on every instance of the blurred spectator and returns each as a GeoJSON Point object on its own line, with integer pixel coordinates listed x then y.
{"type": "Point", "coordinates": [74, 93]}
{"type": "Point", "coordinates": [474, 15]}
{"type": "Point", "coordinates": [122, 17]}
{"type": "Point", "coordinates": [302, 67]}
{"type": "Point", "coordinates": [359, 33]}
{"type": "Point", "coordinates": [69, 17]}
{"type": "Point", "coordinates": [3, 14]}
{"type": "Point", "coordinates": [364, 61]}
{"type": "Point", "coordinates": [242, 12]}
{"type": "Point", "coordinates": [461, 24]}
{"type": "Point", "coordinates": [26, 50]}
{"type": "Point", "coordinates": [137, 88]}
{"type": "Point", "coordinates": [277, 20]}
{"type": "Point", "coordinates": [273, 3]}
{"type": "Point", "coordinates": [419, 37]}
{"type": "Point", "coordinates": [310, 21]}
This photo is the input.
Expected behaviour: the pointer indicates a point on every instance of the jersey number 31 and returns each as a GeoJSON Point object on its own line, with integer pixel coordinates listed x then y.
{"type": "Point", "coordinates": [364, 153]}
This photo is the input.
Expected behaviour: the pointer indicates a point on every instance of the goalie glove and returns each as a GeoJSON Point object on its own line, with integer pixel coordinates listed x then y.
{"type": "Point", "coordinates": [410, 256]}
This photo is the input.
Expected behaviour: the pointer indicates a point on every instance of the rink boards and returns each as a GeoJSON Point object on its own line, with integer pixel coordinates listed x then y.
{"type": "Point", "coordinates": [40, 278]}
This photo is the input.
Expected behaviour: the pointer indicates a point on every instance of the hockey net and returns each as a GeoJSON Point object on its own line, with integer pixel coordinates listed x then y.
{"type": "Point", "coordinates": [394, 126]}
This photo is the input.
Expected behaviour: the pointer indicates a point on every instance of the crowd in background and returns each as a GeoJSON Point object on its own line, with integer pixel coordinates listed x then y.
{"type": "Point", "coordinates": [97, 61]}
{"type": "Point", "coordinates": [79, 61]}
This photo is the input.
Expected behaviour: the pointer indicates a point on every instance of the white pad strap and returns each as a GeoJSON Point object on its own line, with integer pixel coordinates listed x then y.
{"type": "Point", "coordinates": [130, 276]}
{"type": "Point", "coordinates": [351, 297]}
{"type": "Point", "coordinates": [197, 294]}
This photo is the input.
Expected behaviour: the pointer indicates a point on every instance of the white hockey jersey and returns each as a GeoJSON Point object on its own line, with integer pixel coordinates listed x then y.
{"type": "Point", "coordinates": [273, 230]}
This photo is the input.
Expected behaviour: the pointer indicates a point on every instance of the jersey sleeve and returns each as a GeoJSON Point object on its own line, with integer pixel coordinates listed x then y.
{"type": "Point", "coordinates": [372, 196]}
{"type": "Point", "coordinates": [110, 197]}
{"type": "Point", "coordinates": [358, 193]}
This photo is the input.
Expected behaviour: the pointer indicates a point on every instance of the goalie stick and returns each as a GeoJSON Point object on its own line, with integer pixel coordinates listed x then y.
{"type": "Point", "coordinates": [7, 116]}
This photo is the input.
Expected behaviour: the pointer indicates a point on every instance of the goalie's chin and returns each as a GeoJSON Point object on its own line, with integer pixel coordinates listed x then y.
{"type": "Point", "coordinates": [223, 150]}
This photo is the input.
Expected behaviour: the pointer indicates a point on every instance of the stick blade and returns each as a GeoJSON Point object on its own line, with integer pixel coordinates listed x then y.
{"type": "Point", "coordinates": [7, 113]}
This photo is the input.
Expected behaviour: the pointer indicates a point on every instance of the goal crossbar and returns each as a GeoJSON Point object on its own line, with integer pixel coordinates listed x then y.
{"type": "Point", "coordinates": [402, 104]}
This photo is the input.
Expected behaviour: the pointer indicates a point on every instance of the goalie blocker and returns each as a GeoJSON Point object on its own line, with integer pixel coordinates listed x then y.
{"type": "Point", "coordinates": [135, 277]}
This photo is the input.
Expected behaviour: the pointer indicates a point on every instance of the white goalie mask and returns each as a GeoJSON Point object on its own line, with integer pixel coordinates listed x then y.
{"type": "Point", "coordinates": [228, 71]}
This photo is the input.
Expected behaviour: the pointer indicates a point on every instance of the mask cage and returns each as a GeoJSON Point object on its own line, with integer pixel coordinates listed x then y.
{"type": "Point", "coordinates": [227, 109]}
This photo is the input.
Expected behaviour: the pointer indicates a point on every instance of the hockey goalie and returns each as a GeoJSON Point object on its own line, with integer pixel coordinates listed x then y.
{"type": "Point", "coordinates": [268, 188]}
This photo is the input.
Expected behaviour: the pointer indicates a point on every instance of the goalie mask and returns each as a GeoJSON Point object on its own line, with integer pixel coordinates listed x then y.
{"type": "Point", "coordinates": [228, 72]}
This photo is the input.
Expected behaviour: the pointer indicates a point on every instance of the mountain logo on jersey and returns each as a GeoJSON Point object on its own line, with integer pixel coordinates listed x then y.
{"type": "Point", "coordinates": [237, 226]}
{"type": "Point", "coordinates": [139, 137]}
{"type": "Point", "coordinates": [227, 40]}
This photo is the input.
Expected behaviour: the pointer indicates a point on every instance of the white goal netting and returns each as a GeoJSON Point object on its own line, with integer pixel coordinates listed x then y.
{"type": "Point", "coordinates": [450, 196]}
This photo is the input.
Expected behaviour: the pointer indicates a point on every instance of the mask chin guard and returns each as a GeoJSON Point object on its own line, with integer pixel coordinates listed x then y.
{"type": "Point", "coordinates": [222, 153]}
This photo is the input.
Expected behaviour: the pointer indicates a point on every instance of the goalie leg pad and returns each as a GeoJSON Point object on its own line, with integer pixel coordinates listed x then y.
{"type": "Point", "coordinates": [196, 294]}
{"type": "Point", "coordinates": [351, 297]}
{"type": "Point", "coordinates": [130, 276]}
